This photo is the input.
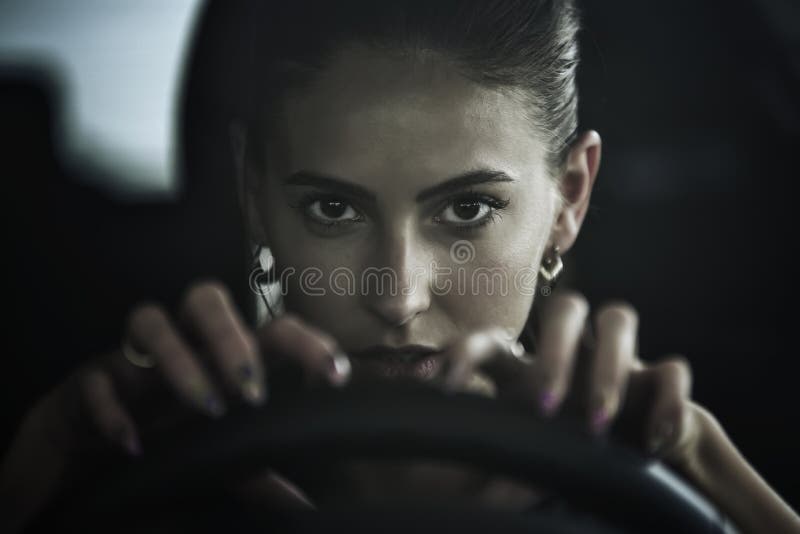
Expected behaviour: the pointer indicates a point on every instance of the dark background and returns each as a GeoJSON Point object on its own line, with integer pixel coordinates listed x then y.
{"type": "Point", "coordinates": [691, 219]}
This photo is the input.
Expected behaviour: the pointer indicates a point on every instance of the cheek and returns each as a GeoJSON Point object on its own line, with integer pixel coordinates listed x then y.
{"type": "Point", "coordinates": [317, 277]}
{"type": "Point", "coordinates": [494, 289]}
{"type": "Point", "coordinates": [497, 285]}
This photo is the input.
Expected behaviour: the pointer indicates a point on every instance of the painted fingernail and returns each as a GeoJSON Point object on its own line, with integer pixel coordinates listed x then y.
{"type": "Point", "coordinates": [599, 420]}
{"type": "Point", "coordinates": [246, 372]}
{"type": "Point", "coordinates": [206, 399]}
{"type": "Point", "coordinates": [661, 436]}
{"type": "Point", "coordinates": [548, 402]}
{"type": "Point", "coordinates": [213, 405]}
{"type": "Point", "coordinates": [339, 368]}
{"type": "Point", "coordinates": [253, 390]}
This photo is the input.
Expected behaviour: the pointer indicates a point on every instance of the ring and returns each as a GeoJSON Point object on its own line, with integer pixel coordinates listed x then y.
{"type": "Point", "coordinates": [145, 361]}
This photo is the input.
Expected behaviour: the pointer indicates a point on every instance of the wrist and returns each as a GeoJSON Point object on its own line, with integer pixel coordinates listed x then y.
{"type": "Point", "coordinates": [714, 465]}
{"type": "Point", "coordinates": [697, 457]}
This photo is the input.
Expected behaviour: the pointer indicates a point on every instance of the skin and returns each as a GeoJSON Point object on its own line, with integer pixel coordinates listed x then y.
{"type": "Point", "coordinates": [415, 127]}
{"type": "Point", "coordinates": [396, 128]}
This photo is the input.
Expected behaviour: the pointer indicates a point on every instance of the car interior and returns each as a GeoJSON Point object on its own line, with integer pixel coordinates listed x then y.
{"type": "Point", "coordinates": [692, 220]}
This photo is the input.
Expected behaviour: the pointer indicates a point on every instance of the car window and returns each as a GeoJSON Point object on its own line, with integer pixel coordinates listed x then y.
{"type": "Point", "coordinates": [118, 64]}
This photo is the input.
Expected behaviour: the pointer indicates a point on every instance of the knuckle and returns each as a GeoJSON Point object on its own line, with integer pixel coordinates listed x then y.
{"type": "Point", "coordinates": [203, 294]}
{"type": "Point", "coordinates": [681, 362]}
{"type": "Point", "coordinates": [147, 318]}
{"type": "Point", "coordinates": [617, 312]}
{"type": "Point", "coordinates": [677, 366]}
{"type": "Point", "coordinates": [675, 363]}
{"type": "Point", "coordinates": [571, 301]}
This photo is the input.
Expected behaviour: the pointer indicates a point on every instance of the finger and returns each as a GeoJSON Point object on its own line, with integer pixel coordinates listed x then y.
{"type": "Point", "coordinates": [616, 327]}
{"type": "Point", "coordinates": [150, 331]}
{"type": "Point", "coordinates": [274, 490]}
{"type": "Point", "coordinates": [668, 424]}
{"type": "Point", "coordinates": [209, 310]}
{"type": "Point", "coordinates": [107, 412]}
{"type": "Point", "coordinates": [288, 339]}
{"type": "Point", "coordinates": [562, 328]}
{"type": "Point", "coordinates": [495, 353]}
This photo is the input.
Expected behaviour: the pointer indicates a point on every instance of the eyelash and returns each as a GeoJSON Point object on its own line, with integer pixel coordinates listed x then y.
{"type": "Point", "coordinates": [496, 206]}
{"type": "Point", "coordinates": [307, 200]}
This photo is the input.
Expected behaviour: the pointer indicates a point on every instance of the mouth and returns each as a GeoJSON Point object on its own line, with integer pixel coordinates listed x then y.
{"type": "Point", "coordinates": [418, 362]}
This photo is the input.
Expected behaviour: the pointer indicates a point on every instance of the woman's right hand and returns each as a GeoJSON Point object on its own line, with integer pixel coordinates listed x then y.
{"type": "Point", "coordinates": [203, 359]}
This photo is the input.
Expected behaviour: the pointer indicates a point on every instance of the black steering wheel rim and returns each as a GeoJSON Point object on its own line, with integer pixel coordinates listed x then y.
{"type": "Point", "coordinates": [599, 476]}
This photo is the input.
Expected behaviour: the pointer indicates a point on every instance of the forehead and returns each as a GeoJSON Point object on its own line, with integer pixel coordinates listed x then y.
{"type": "Point", "coordinates": [371, 117]}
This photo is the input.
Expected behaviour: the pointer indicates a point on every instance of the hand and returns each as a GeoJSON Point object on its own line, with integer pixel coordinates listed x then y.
{"type": "Point", "coordinates": [203, 359]}
{"type": "Point", "coordinates": [587, 368]}
{"type": "Point", "coordinates": [590, 369]}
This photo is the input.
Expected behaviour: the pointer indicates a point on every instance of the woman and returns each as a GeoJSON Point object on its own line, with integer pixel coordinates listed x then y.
{"type": "Point", "coordinates": [413, 173]}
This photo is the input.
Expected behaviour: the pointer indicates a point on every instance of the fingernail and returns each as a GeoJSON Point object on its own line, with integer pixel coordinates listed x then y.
{"type": "Point", "coordinates": [660, 437]}
{"type": "Point", "coordinates": [599, 420]}
{"type": "Point", "coordinates": [517, 349]}
{"type": "Point", "coordinates": [253, 390]}
{"type": "Point", "coordinates": [206, 399]}
{"type": "Point", "coordinates": [548, 402]}
{"type": "Point", "coordinates": [339, 368]}
{"type": "Point", "coordinates": [214, 405]}
{"type": "Point", "coordinates": [246, 372]}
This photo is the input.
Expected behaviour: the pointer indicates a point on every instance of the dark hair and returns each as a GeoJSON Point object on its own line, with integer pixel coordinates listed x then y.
{"type": "Point", "coordinates": [526, 47]}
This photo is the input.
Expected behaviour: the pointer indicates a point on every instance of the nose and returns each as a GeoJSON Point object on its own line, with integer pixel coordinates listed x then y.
{"type": "Point", "coordinates": [400, 291]}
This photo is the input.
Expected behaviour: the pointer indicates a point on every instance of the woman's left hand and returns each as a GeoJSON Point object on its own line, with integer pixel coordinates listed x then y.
{"type": "Point", "coordinates": [587, 366]}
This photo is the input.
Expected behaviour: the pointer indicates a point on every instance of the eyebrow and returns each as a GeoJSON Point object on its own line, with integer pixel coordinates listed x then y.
{"type": "Point", "coordinates": [455, 183]}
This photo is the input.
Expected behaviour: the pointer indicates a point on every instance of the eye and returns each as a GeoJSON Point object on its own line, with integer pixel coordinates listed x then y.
{"type": "Point", "coordinates": [465, 211]}
{"type": "Point", "coordinates": [470, 210]}
{"type": "Point", "coordinates": [331, 211]}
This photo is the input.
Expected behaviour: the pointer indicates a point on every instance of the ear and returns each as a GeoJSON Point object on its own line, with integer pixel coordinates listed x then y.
{"type": "Point", "coordinates": [246, 184]}
{"type": "Point", "coordinates": [580, 172]}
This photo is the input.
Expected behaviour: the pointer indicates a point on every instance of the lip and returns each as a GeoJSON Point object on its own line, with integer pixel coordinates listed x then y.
{"type": "Point", "coordinates": [419, 362]}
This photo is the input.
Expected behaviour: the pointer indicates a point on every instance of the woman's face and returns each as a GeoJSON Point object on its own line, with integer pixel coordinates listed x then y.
{"type": "Point", "coordinates": [405, 204]}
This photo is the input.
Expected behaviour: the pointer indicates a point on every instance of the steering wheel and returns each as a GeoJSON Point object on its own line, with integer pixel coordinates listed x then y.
{"type": "Point", "coordinates": [614, 488]}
